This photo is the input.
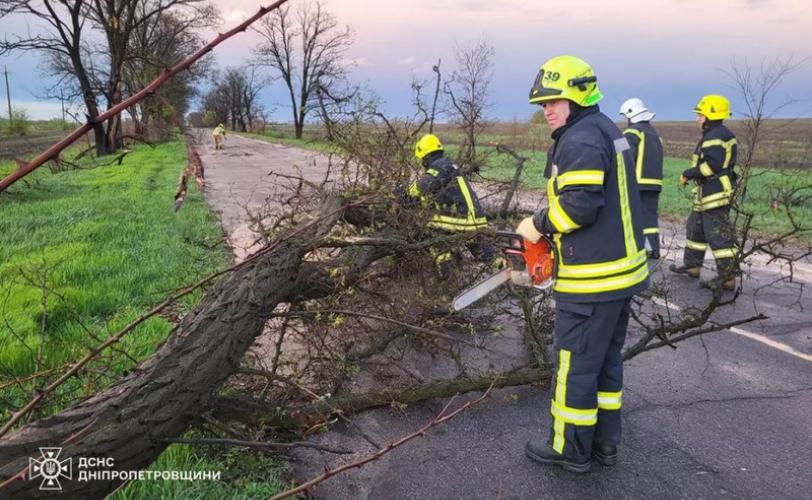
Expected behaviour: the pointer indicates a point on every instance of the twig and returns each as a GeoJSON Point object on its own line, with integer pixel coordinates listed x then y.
{"type": "Point", "coordinates": [439, 419]}
{"type": "Point", "coordinates": [27, 167]}
{"type": "Point", "coordinates": [261, 445]}
{"type": "Point", "coordinates": [154, 311]}
{"type": "Point", "coordinates": [432, 333]}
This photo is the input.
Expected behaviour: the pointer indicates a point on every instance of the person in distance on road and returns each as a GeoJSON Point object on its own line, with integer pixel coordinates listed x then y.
{"type": "Point", "coordinates": [219, 135]}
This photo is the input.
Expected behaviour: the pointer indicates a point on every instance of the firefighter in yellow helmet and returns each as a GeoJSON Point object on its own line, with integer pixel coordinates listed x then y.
{"type": "Point", "coordinates": [595, 218]}
{"type": "Point", "coordinates": [712, 170]}
{"type": "Point", "coordinates": [219, 135]}
{"type": "Point", "coordinates": [447, 193]}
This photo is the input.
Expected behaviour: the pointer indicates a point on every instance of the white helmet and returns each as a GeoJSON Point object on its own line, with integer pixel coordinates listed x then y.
{"type": "Point", "coordinates": [635, 111]}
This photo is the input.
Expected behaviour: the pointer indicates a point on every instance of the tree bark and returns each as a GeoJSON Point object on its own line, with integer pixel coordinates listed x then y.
{"type": "Point", "coordinates": [255, 413]}
{"type": "Point", "coordinates": [131, 420]}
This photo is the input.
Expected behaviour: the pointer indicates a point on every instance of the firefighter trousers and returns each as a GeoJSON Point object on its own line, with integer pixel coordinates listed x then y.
{"type": "Point", "coordinates": [589, 375]}
{"type": "Point", "coordinates": [710, 228]}
{"type": "Point", "coordinates": [651, 228]}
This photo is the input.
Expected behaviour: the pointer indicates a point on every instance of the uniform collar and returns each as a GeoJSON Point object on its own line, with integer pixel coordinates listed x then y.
{"type": "Point", "coordinates": [577, 113]}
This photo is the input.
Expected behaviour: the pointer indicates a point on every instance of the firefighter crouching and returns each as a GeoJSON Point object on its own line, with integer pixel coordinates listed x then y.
{"type": "Point", "coordinates": [447, 193]}
{"type": "Point", "coordinates": [219, 135]}
{"type": "Point", "coordinates": [647, 151]}
{"type": "Point", "coordinates": [595, 219]}
{"type": "Point", "coordinates": [709, 222]}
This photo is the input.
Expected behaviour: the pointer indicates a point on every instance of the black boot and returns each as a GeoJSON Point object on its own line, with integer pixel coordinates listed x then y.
{"type": "Point", "coordinates": [693, 272]}
{"type": "Point", "coordinates": [542, 452]}
{"type": "Point", "coordinates": [605, 455]}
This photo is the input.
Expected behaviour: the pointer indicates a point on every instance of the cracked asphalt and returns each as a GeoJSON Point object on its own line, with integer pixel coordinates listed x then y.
{"type": "Point", "coordinates": [722, 416]}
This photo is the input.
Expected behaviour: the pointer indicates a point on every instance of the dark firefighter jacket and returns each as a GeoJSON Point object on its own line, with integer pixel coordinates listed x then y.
{"type": "Point", "coordinates": [450, 195]}
{"type": "Point", "coordinates": [647, 153]}
{"type": "Point", "coordinates": [594, 212]}
{"type": "Point", "coordinates": [712, 168]}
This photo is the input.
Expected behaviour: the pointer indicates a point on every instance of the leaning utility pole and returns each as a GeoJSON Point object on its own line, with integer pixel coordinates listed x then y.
{"type": "Point", "coordinates": [8, 95]}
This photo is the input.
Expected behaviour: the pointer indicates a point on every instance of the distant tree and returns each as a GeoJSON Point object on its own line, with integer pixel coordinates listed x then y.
{"type": "Point", "coordinates": [195, 119]}
{"type": "Point", "coordinates": [86, 44]}
{"type": "Point", "coordinates": [19, 123]}
{"type": "Point", "coordinates": [161, 42]}
{"type": "Point", "coordinates": [234, 98]}
{"type": "Point", "coordinates": [467, 92]}
{"type": "Point", "coordinates": [306, 48]}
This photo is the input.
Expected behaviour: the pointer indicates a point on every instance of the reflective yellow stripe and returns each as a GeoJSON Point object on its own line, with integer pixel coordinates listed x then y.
{"type": "Point", "coordinates": [466, 193]}
{"type": "Point", "coordinates": [562, 222]}
{"type": "Point", "coordinates": [635, 132]}
{"type": "Point", "coordinates": [414, 190]}
{"type": "Point", "coordinates": [694, 159]}
{"type": "Point", "coordinates": [641, 154]}
{"type": "Point", "coordinates": [442, 257]}
{"type": "Point", "coordinates": [705, 169]}
{"type": "Point", "coordinates": [641, 151]}
{"type": "Point", "coordinates": [715, 200]}
{"type": "Point", "coordinates": [610, 400]}
{"type": "Point", "coordinates": [695, 245]}
{"type": "Point", "coordinates": [598, 285]}
{"type": "Point", "coordinates": [433, 172]}
{"type": "Point", "coordinates": [618, 266]}
{"type": "Point", "coordinates": [457, 223]}
{"type": "Point", "coordinates": [561, 395]}
{"type": "Point", "coordinates": [580, 177]}
{"type": "Point", "coordinates": [727, 145]}
{"type": "Point", "coordinates": [573, 416]}
{"type": "Point", "coordinates": [651, 230]}
{"type": "Point", "coordinates": [653, 182]}
{"type": "Point", "coordinates": [724, 253]}
{"type": "Point", "coordinates": [709, 206]}
{"type": "Point", "coordinates": [625, 210]}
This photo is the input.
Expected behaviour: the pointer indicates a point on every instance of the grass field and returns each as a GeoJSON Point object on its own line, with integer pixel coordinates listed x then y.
{"type": "Point", "coordinates": [85, 252]}
{"type": "Point", "coordinates": [675, 201]}
{"type": "Point", "coordinates": [784, 160]}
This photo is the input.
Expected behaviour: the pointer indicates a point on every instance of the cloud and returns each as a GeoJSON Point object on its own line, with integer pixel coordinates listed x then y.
{"type": "Point", "coordinates": [354, 62]}
{"type": "Point", "coordinates": [407, 60]}
{"type": "Point", "coordinates": [234, 16]}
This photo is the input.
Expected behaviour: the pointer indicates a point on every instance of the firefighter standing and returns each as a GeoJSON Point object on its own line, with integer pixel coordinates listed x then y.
{"type": "Point", "coordinates": [647, 151]}
{"type": "Point", "coordinates": [450, 196]}
{"type": "Point", "coordinates": [712, 170]}
{"type": "Point", "coordinates": [595, 218]}
{"type": "Point", "coordinates": [219, 135]}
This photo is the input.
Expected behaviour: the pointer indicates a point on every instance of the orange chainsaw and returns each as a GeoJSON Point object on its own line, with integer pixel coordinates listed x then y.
{"type": "Point", "coordinates": [526, 264]}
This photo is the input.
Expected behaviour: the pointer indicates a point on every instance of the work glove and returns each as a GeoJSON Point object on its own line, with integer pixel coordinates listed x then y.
{"type": "Point", "coordinates": [683, 181]}
{"type": "Point", "coordinates": [527, 228]}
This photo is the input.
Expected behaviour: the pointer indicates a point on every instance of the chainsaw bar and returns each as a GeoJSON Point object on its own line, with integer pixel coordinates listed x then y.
{"type": "Point", "coordinates": [481, 289]}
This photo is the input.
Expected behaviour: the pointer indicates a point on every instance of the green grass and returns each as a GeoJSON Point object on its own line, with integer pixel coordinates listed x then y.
{"type": "Point", "coordinates": [244, 475]}
{"type": "Point", "coordinates": [674, 201]}
{"type": "Point", "coordinates": [106, 245]}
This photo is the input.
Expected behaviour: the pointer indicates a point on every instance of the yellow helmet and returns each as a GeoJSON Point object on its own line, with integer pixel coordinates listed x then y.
{"type": "Point", "coordinates": [713, 107]}
{"type": "Point", "coordinates": [566, 77]}
{"type": "Point", "coordinates": [429, 143]}
{"type": "Point", "coordinates": [221, 126]}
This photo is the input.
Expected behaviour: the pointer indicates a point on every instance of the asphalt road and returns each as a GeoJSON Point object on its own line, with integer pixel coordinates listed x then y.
{"type": "Point", "coordinates": [728, 415]}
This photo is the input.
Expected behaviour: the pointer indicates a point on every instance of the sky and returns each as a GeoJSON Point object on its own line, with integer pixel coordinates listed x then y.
{"type": "Point", "coordinates": [667, 52]}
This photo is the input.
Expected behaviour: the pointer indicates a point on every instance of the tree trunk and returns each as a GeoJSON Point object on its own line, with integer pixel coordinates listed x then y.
{"type": "Point", "coordinates": [166, 393]}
